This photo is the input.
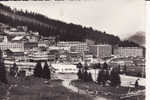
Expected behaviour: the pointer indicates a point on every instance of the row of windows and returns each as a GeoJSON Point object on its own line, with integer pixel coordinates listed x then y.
{"type": "Point", "coordinates": [67, 69]}
{"type": "Point", "coordinates": [72, 44]}
{"type": "Point", "coordinates": [130, 51]}
{"type": "Point", "coordinates": [11, 46]}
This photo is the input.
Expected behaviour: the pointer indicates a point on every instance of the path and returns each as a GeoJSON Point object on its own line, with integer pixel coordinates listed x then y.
{"type": "Point", "coordinates": [67, 83]}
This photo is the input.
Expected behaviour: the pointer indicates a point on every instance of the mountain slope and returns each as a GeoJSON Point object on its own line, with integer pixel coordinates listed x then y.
{"type": "Point", "coordinates": [138, 37]}
{"type": "Point", "coordinates": [49, 27]}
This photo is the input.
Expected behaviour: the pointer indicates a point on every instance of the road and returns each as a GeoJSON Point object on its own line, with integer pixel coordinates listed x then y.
{"type": "Point", "coordinates": [67, 80]}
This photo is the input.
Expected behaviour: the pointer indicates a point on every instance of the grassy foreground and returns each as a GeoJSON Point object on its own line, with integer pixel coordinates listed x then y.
{"type": "Point", "coordinates": [32, 88]}
{"type": "Point", "coordinates": [112, 93]}
{"type": "Point", "coordinates": [3, 89]}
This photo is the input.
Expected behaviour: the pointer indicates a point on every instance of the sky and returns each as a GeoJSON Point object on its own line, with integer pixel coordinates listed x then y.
{"type": "Point", "coordinates": [122, 17]}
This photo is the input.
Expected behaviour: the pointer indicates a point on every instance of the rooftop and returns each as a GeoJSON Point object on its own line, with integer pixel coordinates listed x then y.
{"type": "Point", "coordinates": [17, 38]}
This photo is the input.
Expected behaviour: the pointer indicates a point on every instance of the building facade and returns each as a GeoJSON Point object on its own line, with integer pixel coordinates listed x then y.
{"type": "Point", "coordinates": [68, 43]}
{"type": "Point", "coordinates": [75, 46]}
{"type": "Point", "coordinates": [49, 41]}
{"type": "Point", "coordinates": [9, 45]}
{"type": "Point", "coordinates": [30, 45]}
{"type": "Point", "coordinates": [100, 51]}
{"type": "Point", "coordinates": [82, 47]}
{"type": "Point", "coordinates": [129, 51]}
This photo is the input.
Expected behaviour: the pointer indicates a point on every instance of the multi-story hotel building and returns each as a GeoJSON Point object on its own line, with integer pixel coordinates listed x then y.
{"type": "Point", "coordinates": [4, 45]}
{"type": "Point", "coordinates": [9, 45]}
{"type": "Point", "coordinates": [79, 48]}
{"type": "Point", "coordinates": [129, 51]}
{"type": "Point", "coordinates": [75, 46]}
{"type": "Point", "coordinates": [67, 43]}
{"type": "Point", "coordinates": [101, 51]}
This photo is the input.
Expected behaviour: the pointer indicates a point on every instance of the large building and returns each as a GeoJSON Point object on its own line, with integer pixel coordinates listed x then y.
{"type": "Point", "coordinates": [75, 57]}
{"type": "Point", "coordinates": [79, 48]}
{"type": "Point", "coordinates": [41, 56]}
{"type": "Point", "coordinates": [3, 37]}
{"type": "Point", "coordinates": [3, 27]}
{"type": "Point", "coordinates": [5, 46]}
{"type": "Point", "coordinates": [68, 43]}
{"type": "Point", "coordinates": [19, 39]}
{"type": "Point", "coordinates": [101, 51]}
{"type": "Point", "coordinates": [48, 41]}
{"type": "Point", "coordinates": [32, 38]}
{"type": "Point", "coordinates": [15, 32]}
{"type": "Point", "coordinates": [30, 46]}
{"type": "Point", "coordinates": [75, 46]}
{"type": "Point", "coordinates": [64, 68]}
{"type": "Point", "coordinates": [129, 51]}
{"type": "Point", "coordinates": [14, 55]}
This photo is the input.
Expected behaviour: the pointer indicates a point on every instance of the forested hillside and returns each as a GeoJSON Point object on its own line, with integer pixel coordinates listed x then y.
{"type": "Point", "coordinates": [49, 27]}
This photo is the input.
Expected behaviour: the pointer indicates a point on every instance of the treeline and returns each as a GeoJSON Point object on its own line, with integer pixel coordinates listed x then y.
{"type": "Point", "coordinates": [127, 43]}
{"type": "Point", "coordinates": [39, 71]}
{"type": "Point", "coordinates": [49, 27]}
{"type": "Point", "coordinates": [105, 75]}
{"type": "Point", "coordinates": [42, 72]}
{"type": "Point", "coordinates": [3, 76]}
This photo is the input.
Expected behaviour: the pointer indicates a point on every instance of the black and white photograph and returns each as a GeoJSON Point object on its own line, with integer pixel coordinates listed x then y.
{"type": "Point", "coordinates": [73, 50]}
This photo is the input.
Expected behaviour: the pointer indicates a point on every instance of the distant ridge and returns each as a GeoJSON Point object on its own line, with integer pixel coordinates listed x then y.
{"type": "Point", "coordinates": [49, 27]}
{"type": "Point", "coordinates": [138, 37]}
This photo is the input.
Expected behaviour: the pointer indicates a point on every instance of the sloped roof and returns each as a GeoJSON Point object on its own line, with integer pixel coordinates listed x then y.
{"type": "Point", "coordinates": [8, 51]}
{"type": "Point", "coordinates": [16, 50]}
{"type": "Point", "coordinates": [17, 38]}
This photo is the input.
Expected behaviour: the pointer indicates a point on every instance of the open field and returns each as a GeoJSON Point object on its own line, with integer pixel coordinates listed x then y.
{"type": "Point", "coordinates": [31, 88]}
{"type": "Point", "coordinates": [3, 89]}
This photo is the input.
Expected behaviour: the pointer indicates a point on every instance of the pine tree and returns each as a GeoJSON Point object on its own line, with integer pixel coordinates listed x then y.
{"type": "Point", "coordinates": [46, 71]}
{"type": "Point", "coordinates": [105, 66]}
{"type": "Point", "coordinates": [13, 70]}
{"type": "Point", "coordinates": [125, 69]}
{"type": "Point", "coordinates": [79, 65]}
{"type": "Point", "coordinates": [119, 68]}
{"type": "Point", "coordinates": [82, 75]}
{"type": "Point", "coordinates": [99, 65]}
{"type": "Point", "coordinates": [85, 66]}
{"type": "Point", "coordinates": [99, 78]}
{"type": "Point", "coordinates": [104, 78]}
{"type": "Point", "coordinates": [3, 77]}
{"type": "Point", "coordinates": [107, 75]}
{"type": "Point", "coordinates": [38, 70]}
{"type": "Point", "coordinates": [79, 74]}
{"type": "Point", "coordinates": [90, 79]}
{"type": "Point", "coordinates": [85, 76]}
{"type": "Point", "coordinates": [115, 78]}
